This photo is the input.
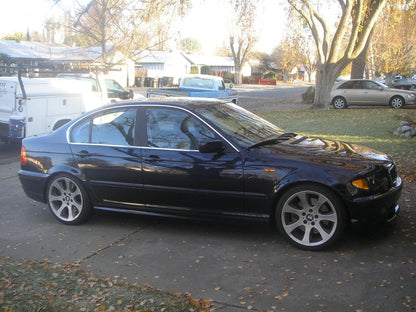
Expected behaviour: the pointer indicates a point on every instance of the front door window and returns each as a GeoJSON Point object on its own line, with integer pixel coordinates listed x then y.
{"type": "Point", "coordinates": [175, 129]}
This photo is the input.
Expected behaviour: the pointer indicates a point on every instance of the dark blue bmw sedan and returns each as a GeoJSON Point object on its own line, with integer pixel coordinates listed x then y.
{"type": "Point", "coordinates": [208, 159]}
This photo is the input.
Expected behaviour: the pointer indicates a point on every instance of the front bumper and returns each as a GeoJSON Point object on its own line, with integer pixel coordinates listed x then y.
{"type": "Point", "coordinates": [377, 208]}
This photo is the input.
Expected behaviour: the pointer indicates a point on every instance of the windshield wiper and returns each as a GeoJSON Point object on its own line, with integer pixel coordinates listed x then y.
{"type": "Point", "coordinates": [281, 138]}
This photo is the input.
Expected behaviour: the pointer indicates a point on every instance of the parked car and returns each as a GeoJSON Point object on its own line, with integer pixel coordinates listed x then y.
{"type": "Point", "coordinates": [209, 159]}
{"type": "Point", "coordinates": [193, 85]}
{"type": "Point", "coordinates": [398, 77]}
{"type": "Point", "coordinates": [405, 84]}
{"type": "Point", "coordinates": [106, 89]}
{"type": "Point", "coordinates": [36, 106]}
{"type": "Point", "coordinates": [369, 92]}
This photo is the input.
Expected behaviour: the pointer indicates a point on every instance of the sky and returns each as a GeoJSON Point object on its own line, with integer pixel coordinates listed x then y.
{"type": "Point", "coordinates": [207, 21]}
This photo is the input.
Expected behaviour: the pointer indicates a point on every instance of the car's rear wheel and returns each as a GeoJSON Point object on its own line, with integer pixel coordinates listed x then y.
{"type": "Point", "coordinates": [310, 216]}
{"type": "Point", "coordinates": [68, 200]}
{"type": "Point", "coordinates": [397, 102]}
{"type": "Point", "coordinates": [339, 102]}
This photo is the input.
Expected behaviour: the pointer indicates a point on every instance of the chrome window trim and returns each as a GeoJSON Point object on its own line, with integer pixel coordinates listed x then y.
{"type": "Point", "coordinates": [147, 147]}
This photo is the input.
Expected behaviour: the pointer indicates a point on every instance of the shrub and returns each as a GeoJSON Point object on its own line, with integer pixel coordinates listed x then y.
{"type": "Point", "coordinates": [250, 80]}
{"type": "Point", "coordinates": [206, 70]}
{"type": "Point", "coordinates": [309, 95]}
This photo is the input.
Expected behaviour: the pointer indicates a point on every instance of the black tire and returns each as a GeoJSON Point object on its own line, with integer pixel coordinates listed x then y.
{"type": "Point", "coordinates": [396, 102]}
{"type": "Point", "coordinates": [68, 200]}
{"type": "Point", "coordinates": [310, 216]}
{"type": "Point", "coordinates": [339, 102]}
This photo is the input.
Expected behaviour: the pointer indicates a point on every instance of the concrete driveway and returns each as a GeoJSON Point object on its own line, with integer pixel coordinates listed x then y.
{"type": "Point", "coordinates": [240, 266]}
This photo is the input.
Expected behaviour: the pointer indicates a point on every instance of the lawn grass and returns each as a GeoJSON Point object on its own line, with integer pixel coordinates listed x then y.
{"type": "Point", "coordinates": [368, 127]}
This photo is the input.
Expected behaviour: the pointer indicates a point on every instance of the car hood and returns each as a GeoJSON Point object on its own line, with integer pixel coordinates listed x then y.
{"type": "Point", "coordinates": [396, 90]}
{"type": "Point", "coordinates": [328, 152]}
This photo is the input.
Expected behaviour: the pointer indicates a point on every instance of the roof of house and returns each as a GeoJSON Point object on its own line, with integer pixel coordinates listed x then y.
{"type": "Point", "coordinates": [155, 56]}
{"type": "Point", "coordinates": [25, 49]}
{"type": "Point", "coordinates": [44, 51]}
{"type": "Point", "coordinates": [209, 60]}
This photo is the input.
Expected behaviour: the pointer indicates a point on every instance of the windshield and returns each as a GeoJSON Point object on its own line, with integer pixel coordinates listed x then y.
{"type": "Point", "coordinates": [197, 82]}
{"type": "Point", "coordinates": [113, 85]}
{"type": "Point", "coordinates": [245, 128]}
{"type": "Point", "coordinates": [382, 85]}
{"type": "Point", "coordinates": [91, 80]}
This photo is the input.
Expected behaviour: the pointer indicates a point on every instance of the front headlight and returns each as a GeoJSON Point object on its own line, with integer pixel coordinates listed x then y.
{"type": "Point", "coordinates": [376, 182]}
{"type": "Point", "coordinates": [361, 184]}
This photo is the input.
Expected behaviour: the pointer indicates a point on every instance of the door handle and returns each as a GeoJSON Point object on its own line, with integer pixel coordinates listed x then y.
{"type": "Point", "coordinates": [151, 158]}
{"type": "Point", "coordinates": [83, 153]}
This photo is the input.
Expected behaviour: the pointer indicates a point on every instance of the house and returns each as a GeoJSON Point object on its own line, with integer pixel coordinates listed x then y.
{"type": "Point", "coordinates": [216, 63]}
{"type": "Point", "coordinates": [175, 63]}
{"type": "Point", "coordinates": [159, 64]}
{"type": "Point", "coordinates": [149, 64]}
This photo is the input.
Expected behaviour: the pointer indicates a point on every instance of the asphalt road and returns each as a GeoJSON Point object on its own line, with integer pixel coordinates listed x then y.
{"type": "Point", "coordinates": [263, 99]}
{"type": "Point", "coordinates": [240, 266]}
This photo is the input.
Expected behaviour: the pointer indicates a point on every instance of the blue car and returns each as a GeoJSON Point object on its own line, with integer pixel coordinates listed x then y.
{"type": "Point", "coordinates": [210, 159]}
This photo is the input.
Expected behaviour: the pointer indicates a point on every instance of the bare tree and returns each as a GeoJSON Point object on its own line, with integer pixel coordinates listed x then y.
{"type": "Point", "coordinates": [288, 55]}
{"type": "Point", "coordinates": [126, 25]}
{"type": "Point", "coordinates": [190, 45]}
{"type": "Point", "coordinates": [302, 45]}
{"type": "Point", "coordinates": [243, 36]}
{"type": "Point", "coordinates": [339, 45]}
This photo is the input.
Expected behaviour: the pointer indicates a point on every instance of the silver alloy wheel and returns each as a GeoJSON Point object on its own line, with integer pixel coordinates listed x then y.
{"type": "Point", "coordinates": [65, 199]}
{"type": "Point", "coordinates": [339, 103]}
{"type": "Point", "coordinates": [309, 218]}
{"type": "Point", "coordinates": [396, 102]}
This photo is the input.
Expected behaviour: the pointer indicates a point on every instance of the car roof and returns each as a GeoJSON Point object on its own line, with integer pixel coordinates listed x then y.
{"type": "Point", "coordinates": [186, 102]}
{"type": "Point", "coordinates": [202, 76]}
{"type": "Point", "coordinates": [359, 80]}
{"type": "Point", "coordinates": [176, 101]}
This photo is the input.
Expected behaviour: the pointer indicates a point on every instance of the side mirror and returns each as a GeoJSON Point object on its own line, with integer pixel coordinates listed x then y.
{"type": "Point", "coordinates": [231, 85]}
{"type": "Point", "coordinates": [211, 147]}
{"type": "Point", "coordinates": [131, 94]}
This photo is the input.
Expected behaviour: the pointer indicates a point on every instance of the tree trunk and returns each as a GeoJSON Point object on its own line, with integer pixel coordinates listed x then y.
{"type": "Point", "coordinates": [238, 75]}
{"type": "Point", "coordinates": [326, 75]}
{"type": "Point", "coordinates": [358, 65]}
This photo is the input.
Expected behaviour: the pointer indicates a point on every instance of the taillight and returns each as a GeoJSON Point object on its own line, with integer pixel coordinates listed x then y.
{"type": "Point", "coordinates": [23, 156]}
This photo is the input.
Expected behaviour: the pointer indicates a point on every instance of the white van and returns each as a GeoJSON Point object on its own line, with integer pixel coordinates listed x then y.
{"type": "Point", "coordinates": [36, 106]}
{"type": "Point", "coordinates": [105, 88]}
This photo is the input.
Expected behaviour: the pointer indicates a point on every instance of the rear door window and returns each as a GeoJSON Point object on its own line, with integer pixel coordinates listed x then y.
{"type": "Point", "coordinates": [112, 127]}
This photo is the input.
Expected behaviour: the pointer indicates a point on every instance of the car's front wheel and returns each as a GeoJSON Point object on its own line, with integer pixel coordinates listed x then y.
{"type": "Point", "coordinates": [68, 200]}
{"type": "Point", "coordinates": [339, 102]}
{"type": "Point", "coordinates": [397, 102]}
{"type": "Point", "coordinates": [310, 216]}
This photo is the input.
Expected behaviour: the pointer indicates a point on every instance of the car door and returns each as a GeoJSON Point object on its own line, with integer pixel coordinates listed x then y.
{"type": "Point", "coordinates": [373, 94]}
{"type": "Point", "coordinates": [222, 93]}
{"type": "Point", "coordinates": [352, 92]}
{"type": "Point", "coordinates": [177, 176]}
{"type": "Point", "coordinates": [105, 149]}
